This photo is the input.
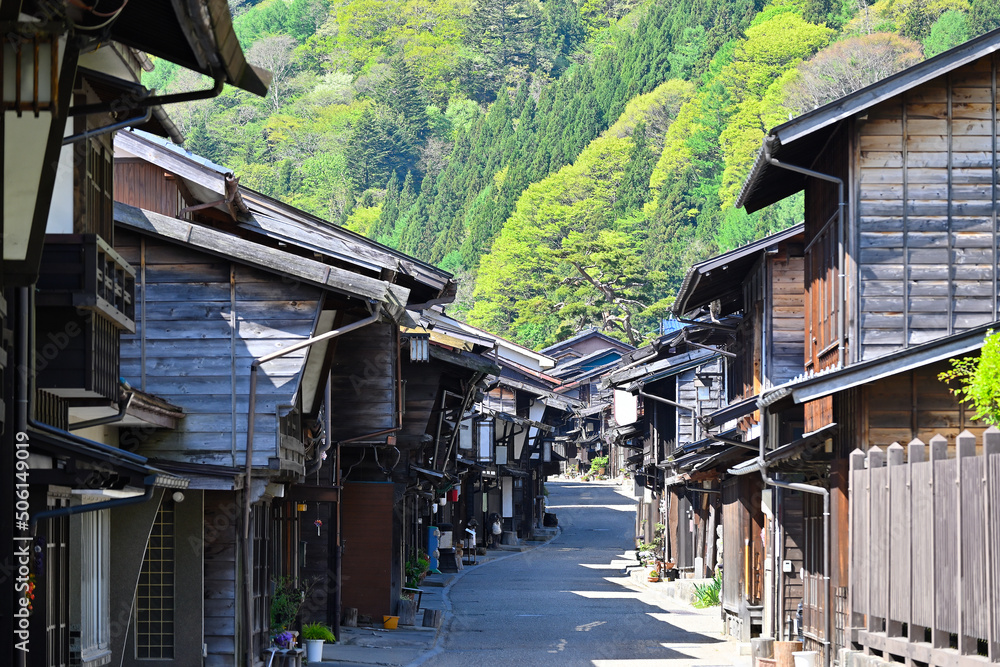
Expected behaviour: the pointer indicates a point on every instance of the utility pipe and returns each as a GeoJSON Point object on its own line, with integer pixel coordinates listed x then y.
{"type": "Point", "coordinates": [820, 491]}
{"type": "Point", "coordinates": [94, 507]}
{"type": "Point", "coordinates": [150, 101]}
{"type": "Point", "coordinates": [135, 120]}
{"type": "Point", "coordinates": [841, 252]}
{"type": "Point", "coordinates": [110, 419]}
{"type": "Point", "coordinates": [668, 402]}
{"type": "Point", "coordinates": [248, 472]}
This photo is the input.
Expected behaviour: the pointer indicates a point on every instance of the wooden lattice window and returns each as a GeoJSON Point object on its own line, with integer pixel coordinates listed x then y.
{"type": "Point", "coordinates": [94, 212]}
{"type": "Point", "coordinates": [154, 634]}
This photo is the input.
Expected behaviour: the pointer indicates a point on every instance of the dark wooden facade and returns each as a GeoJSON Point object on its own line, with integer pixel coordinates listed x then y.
{"type": "Point", "coordinates": [201, 321]}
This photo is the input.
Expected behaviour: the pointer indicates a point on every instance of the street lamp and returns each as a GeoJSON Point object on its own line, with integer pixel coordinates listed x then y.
{"type": "Point", "coordinates": [38, 68]}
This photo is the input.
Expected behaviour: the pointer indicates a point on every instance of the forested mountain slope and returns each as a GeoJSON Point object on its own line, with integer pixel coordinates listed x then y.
{"type": "Point", "coordinates": [568, 159]}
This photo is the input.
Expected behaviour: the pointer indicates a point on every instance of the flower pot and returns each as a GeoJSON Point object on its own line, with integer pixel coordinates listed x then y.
{"type": "Point", "coordinates": [390, 622]}
{"type": "Point", "coordinates": [314, 650]}
{"type": "Point", "coordinates": [652, 579]}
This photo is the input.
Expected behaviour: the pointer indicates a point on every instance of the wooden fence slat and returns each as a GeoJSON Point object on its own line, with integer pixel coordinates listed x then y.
{"type": "Point", "coordinates": [945, 546]}
{"type": "Point", "coordinates": [922, 513]}
{"type": "Point", "coordinates": [991, 454]}
{"type": "Point", "coordinates": [879, 541]}
{"type": "Point", "coordinates": [899, 539]}
{"type": "Point", "coordinates": [974, 548]}
{"type": "Point", "coordinates": [858, 514]}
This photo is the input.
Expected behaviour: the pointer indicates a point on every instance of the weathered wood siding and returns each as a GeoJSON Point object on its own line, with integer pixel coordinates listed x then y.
{"type": "Point", "coordinates": [688, 430]}
{"type": "Point", "coordinates": [927, 196]}
{"type": "Point", "coordinates": [822, 296]}
{"type": "Point", "coordinates": [915, 405]}
{"type": "Point", "coordinates": [364, 382]}
{"type": "Point", "coordinates": [200, 321]}
{"type": "Point", "coordinates": [786, 298]}
{"type": "Point", "coordinates": [147, 186]}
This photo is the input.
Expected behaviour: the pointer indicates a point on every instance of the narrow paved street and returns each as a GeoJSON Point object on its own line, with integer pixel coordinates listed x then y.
{"type": "Point", "coordinates": [568, 603]}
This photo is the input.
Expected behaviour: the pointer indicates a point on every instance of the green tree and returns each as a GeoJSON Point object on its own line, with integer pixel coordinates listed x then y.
{"type": "Point", "coordinates": [984, 15]}
{"type": "Point", "coordinates": [633, 190]}
{"type": "Point", "coordinates": [400, 93]}
{"type": "Point", "coordinates": [948, 31]}
{"type": "Point", "coordinates": [504, 34]}
{"type": "Point", "coordinates": [979, 380]}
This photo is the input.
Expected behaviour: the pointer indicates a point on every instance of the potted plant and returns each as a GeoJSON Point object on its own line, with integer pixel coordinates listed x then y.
{"type": "Point", "coordinates": [285, 602]}
{"type": "Point", "coordinates": [653, 575]}
{"type": "Point", "coordinates": [314, 635]}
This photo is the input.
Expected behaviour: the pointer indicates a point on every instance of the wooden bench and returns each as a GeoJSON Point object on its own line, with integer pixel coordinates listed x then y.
{"type": "Point", "coordinates": [289, 656]}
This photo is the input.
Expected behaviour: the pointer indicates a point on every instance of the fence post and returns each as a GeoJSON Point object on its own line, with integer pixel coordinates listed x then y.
{"type": "Point", "coordinates": [876, 459]}
{"type": "Point", "coordinates": [857, 501]}
{"type": "Point", "coordinates": [916, 452]}
{"type": "Point", "coordinates": [965, 445]}
{"type": "Point", "coordinates": [894, 515]}
{"type": "Point", "coordinates": [991, 448]}
{"type": "Point", "coordinates": [939, 451]}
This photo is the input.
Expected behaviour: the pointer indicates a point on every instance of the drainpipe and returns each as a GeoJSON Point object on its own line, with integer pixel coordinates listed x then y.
{"type": "Point", "coordinates": [123, 404]}
{"type": "Point", "coordinates": [841, 252]}
{"type": "Point", "coordinates": [248, 472]}
{"type": "Point", "coordinates": [815, 490]}
{"type": "Point", "coordinates": [94, 507]}
{"type": "Point", "coordinates": [136, 120]}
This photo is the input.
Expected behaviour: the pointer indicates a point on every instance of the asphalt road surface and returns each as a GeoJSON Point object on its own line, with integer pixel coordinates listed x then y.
{"type": "Point", "coordinates": [568, 603]}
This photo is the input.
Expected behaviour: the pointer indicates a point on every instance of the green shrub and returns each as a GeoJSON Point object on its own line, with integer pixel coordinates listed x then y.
{"type": "Point", "coordinates": [598, 463]}
{"type": "Point", "coordinates": [708, 595]}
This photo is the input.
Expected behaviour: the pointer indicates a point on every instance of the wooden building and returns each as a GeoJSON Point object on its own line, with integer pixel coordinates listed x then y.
{"type": "Point", "coordinates": [762, 284]}
{"type": "Point", "coordinates": [660, 391]}
{"type": "Point", "coordinates": [901, 275]}
{"type": "Point", "coordinates": [66, 299]}
{"type": "Point", "coordinates": [247, 306]}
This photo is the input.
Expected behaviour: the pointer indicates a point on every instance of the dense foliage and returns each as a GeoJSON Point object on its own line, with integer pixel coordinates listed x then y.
{"type": "Point", "coordinates": [978, 380]}
{"type": "Point", "coordinates": [567, 159]}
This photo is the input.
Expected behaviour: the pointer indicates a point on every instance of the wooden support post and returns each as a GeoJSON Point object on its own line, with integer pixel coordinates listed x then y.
{"type": "Point", "coordinates": [916, 452]}
{"type": "Point", "coordinates": [350, 618]}
{"type": "Point", "coordinates": [894, 515]}
{"type": "Point", "coordinates": [991, 452]}
{"type": "Point", "coordinates": [965, 446]}
{"type": "Point", "coordinates": [939, 452]}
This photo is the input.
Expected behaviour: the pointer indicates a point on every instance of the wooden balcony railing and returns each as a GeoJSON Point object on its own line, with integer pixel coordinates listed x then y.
{"type": "Point", "coordinates": [84, 272]}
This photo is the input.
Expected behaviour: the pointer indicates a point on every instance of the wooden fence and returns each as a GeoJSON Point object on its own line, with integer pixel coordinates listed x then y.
{"type": "Point", "coordinates": [925, 551]}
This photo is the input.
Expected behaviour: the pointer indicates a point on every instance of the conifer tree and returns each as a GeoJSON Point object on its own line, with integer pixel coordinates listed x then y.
{"type": "Point", "coordinates": [390, 210]}
{"type": "Point", "coordinates": [633, 190]}
{"type": "Point", "coordinates": [401, 93]}
{"type": "Point", "coordinates": [505, 34]}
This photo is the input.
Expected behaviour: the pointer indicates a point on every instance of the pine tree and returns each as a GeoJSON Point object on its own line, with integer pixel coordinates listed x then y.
{"type": "Point", "coordinates": [401, 93]}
